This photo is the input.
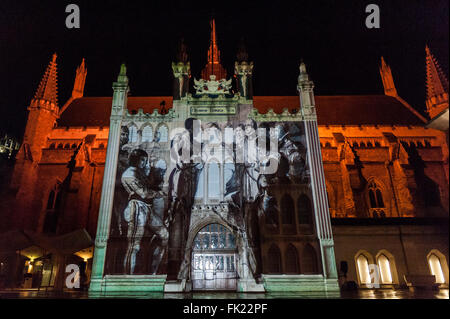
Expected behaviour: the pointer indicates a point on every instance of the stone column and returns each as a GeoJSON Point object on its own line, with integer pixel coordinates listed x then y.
{"type": "Point", "coordinates": [318, 186]}
{"type": "Point", "coordinates": [119, 106]}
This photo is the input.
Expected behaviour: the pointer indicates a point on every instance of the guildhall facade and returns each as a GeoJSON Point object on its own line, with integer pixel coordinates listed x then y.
{"type": "Point", "coordinates": [354, 190]}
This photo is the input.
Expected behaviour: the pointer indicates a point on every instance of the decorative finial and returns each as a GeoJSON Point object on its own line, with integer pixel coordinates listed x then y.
{"type": "Point", "coordinates": [242, 54]}
{"type": "Point", "coordinates": [123, 74]}
{"type": "Point", "coordinates": [182, 55]}
{"type": "Point", "coordinates": [302, 67]}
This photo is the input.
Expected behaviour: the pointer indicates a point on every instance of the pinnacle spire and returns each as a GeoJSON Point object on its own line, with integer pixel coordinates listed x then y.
{"type": "Point", "coordinates": [213, 67]}
{"type": "Point", "coordinates": [48, 87]}
{"type": "Point", "coordinates": [80, 79]}
{"type": "Point", "coordinates": [437, 86]}
{"type": "Point", "coordinates": [437, 82]}
{"type": "Point", "coordinates": [387, 79]}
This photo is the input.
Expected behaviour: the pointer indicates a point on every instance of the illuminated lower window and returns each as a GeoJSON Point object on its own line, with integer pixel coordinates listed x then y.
{"type": "Point", "coordinates": [436, 268]}
{"type": "Point", "coordinates": [385, 269]}
{"type": "Point", "coordinates": [363, 268]}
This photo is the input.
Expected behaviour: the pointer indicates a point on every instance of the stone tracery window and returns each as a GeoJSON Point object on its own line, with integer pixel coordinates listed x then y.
{"type": "Point", "coordinates": [376, 202]}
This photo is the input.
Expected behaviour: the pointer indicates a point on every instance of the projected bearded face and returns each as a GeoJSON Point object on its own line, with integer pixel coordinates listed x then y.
{"type": "Point", "coordinates": [124, 135]}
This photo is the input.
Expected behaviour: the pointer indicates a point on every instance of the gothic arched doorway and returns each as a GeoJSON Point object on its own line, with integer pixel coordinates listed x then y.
{"type": "Point", "coordinates": [214, 255]}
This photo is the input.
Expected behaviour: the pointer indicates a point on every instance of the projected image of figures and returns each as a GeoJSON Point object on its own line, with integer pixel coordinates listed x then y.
{"type": "Point", "coordinates": [170, 182]}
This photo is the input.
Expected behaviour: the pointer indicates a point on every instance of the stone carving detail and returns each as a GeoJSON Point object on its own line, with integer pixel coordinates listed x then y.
{"type": "Point", "coordinates": [212, 87]}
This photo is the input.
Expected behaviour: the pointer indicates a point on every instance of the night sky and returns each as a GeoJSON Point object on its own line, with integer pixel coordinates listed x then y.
{"type": "Point", "coordinates": [341, 54]}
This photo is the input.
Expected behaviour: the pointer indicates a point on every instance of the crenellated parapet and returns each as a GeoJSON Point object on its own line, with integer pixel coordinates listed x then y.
{"type": "Point", "coordinates": [155, 116]}
{"type": "Point", "coordinates": [271, 116]}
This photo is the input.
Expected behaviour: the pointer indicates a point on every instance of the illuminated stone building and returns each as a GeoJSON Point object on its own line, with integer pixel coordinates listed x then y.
{"type": "Point", "coordinates": [385, 202]}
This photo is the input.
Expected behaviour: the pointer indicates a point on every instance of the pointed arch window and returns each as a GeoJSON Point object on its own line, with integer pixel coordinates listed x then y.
{"type": "Point", "coordinates": [309, 260]}
{"type": "Point", "coordinates": [304, 210]}
{"type": "Point", "coordinates": [274, 260]}
{"type": "Point", "coordinates": [376, 201]}
{"type": "Point", "coordinates": [363, 269]}
{"type": "Point", "coordinates": [287, 210]}
{"type": "Point", "coordinates": [292, 266]}
{"type": "Point", "coordinates": [385, 269]}
{"type": "Point", "coordinates": [133, 135]}
{"type": "Point", "coordinates": [436, 268]}
{"type": "Point", "coordinates": [147, 134]}
{"type": "Point", "coordinates": [53, 208]}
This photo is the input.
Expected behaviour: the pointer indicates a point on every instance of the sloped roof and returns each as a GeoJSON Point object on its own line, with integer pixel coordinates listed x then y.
{"type": "Point", "coordinates": [95, 111]}
{"type": "Point", "coordinates": [331, 110]}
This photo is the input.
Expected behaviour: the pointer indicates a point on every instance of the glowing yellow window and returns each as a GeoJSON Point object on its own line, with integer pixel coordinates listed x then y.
{"type": "Point", "coordinates": [363, 268]}
{"type": "Point", "coordinates": [436, 268]}
{"type": "Point", "coordinates": [385, 269]}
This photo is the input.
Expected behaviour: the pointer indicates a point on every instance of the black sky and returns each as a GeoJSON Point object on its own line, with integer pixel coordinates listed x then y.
{"type": "Point", "coordinates": [341, 54]}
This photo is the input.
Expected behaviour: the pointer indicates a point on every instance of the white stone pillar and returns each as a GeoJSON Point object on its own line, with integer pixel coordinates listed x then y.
{"type": "Point", "coordinates": [119, 107]}
{"type": "Point", "coordinates": [318, 186]}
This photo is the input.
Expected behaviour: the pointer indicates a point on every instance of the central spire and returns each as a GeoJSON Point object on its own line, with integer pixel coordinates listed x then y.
{"type": "Point", "coordinates": [213, 67]}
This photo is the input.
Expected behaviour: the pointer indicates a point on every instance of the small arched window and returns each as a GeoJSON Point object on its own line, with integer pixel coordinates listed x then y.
{"type": "Point", "coordinates": [362, 145]}
{"type": "Point", "coordinates": [147, 134]}
{"type": "Point", "coordinates": [292, 260]}
{"type": "Point", "coordinates": [162, 134]}
{"type": "Point", "coordinates": [274, 260]}
{"type": "Point", "coordinates": [133, 135]}
{"type": "Point", "coordinates": [52, 146]}
{"type": "Point", "coordinates": [355, 145]}
{"type": "Point", "coordinates": [74, 145]}
{"type": "Point", "coordinates": [436, 268]}
{"type": "Point", "coordinates": [101, 145]}
{"type": "Point", "coordinates": [327, 145]}
{"type": "Point", "coordinates": [309, 260]}
{"type": "Point", "coordinates": [60, 146]}
{"type": "Point", "coordinates": [52, 211]}
{"type": "Point", "coordinates": [363, 269]}
{"type": "Point", "coordinates": [369, 144]}
{"type": "Point", "coordinates": [287, 210]}
{"type": "Point", "coordinates": [385, 269]}
{"type": "Point", "coordinates": [67, 146]}
{"type": "Point", "coordinates": [377, 144]}
{"type": "Point", "coordinates": [304, 210]}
